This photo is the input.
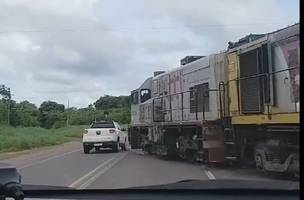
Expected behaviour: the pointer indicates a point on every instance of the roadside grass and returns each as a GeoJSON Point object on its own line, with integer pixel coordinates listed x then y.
{"type": "Point", "coordinates": [23, 138]}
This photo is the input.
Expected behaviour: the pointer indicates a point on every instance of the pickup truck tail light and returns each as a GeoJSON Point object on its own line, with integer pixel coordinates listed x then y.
{"type": "Point", "coordinates": [112, 130]}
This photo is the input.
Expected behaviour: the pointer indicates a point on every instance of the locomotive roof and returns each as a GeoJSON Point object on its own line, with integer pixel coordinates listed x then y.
{"type": "Point", "coordinates": [253, 39]}
{"type": "Point", "coordinates": [181, 67]}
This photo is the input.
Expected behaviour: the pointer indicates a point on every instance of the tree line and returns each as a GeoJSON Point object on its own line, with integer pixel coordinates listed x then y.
{"type": "Point", "coordinates": [51, 114]}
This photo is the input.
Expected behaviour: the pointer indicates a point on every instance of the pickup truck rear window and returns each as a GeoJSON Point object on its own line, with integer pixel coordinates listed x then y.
{"type": "Point", "coordinates": [103, 125]}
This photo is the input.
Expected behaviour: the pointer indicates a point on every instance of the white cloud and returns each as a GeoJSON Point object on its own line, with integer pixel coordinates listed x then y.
{"type": "Point", "coordinates": [145, 36]}
{"type": "Point", "coordinates": [68, 56]}
{"type": "Point", "coordinates": [66, 7]}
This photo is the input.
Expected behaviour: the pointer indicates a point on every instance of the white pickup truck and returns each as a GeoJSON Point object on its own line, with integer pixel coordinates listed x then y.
{"type": "Point", "coordinates": [104, 134]}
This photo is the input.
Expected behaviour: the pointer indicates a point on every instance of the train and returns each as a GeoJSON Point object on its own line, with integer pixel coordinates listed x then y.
{"type": "Point", "coordinates": [237, 106]}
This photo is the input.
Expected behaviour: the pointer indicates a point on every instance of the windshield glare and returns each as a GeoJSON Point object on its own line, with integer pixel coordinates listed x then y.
{"type": "Point", "coordinates": [101, 94]}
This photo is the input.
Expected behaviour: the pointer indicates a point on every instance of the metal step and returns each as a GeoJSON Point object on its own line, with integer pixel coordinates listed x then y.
{"type": "Point", "coordinates": [229, 143]}
{"type": "Point", "coordinates": [231, 158]}
{"type": "Point", "coordinates": [227, 129]}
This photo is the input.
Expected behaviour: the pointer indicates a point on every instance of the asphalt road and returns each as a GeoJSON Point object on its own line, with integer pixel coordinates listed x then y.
{"type": "Point", "coordinates": [67, 165]}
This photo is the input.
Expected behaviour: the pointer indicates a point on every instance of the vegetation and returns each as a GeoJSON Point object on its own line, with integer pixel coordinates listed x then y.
{"type": "Point", "coordinates": [53, 115]}
{"type": "Point", "coordinates": [51, 123]}
{"type": "Point", "coordinates": [21, 138]}
{"type": "Point", "coordinates": [87, 115]}
{"type": "Point", "coordinates": [108, 102]}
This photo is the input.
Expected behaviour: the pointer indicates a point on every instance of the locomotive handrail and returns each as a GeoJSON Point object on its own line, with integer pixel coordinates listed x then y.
{"type": "Point", "coordinates": [222, 84]}
{"type": "Point", "coordinates": [264, 74]}
{"type": "Point", "coordinates": [268, 79]}
{"type": "Point", "coordinates": [182, 103]}
{"type": "Point", "coordinates": [172, 94]}
{"type": "Point", "coordinates": [222, 102]}
{"type": "Point", "coordinates": [165, 110]}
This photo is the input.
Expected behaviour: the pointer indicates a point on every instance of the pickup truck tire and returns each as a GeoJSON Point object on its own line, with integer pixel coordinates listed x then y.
{"type": "Point", "coordinates": [123, 147]}
{"type": "Point", "coordinates": [86, 149]}
{"type": "Point", "coordinates": [115, 147]}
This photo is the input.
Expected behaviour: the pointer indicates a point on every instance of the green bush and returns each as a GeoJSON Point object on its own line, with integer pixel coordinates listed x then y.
{"type": "Point", "coordinates": [21, 138]}
{"type": "Point", "coordinates": [59, 124]}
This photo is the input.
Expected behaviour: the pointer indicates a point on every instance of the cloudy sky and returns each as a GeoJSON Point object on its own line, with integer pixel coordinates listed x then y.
{"type": "Point", "coordinates": [82, 49]}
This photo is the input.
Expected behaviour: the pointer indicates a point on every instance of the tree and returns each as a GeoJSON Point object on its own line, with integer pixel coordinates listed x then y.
{"type": "Point", "coordinates": [53, 115]}
{"type": "Point", "coordinates": [109, 102]}
{"type": "Point", "coordinates": [24, 114]}
{"type": "Point", "coordinates": [3, 111]}
{"type": "Point", "coordinates": [50, 113]}
{"type": "Point", "coordinates": [115, 108]}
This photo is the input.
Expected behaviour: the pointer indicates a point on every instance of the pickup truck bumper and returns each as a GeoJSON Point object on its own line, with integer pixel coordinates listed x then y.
{"type": "Point", "coordinates": [106, 144]}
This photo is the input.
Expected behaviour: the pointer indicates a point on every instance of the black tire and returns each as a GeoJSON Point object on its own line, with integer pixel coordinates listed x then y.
{"type": "Point", "coordinates": [295, 175]}
{"type": "Point", "coordinates": [86, 149]}
{"type": "Point", "coordinates": [123, 147]}
{"type": "Point", "coordinates": [115, 147]}
{"type": "Point", "coordinates": [120, 146]}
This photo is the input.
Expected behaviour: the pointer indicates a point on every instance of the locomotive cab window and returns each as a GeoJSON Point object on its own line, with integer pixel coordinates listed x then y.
{"type": "Point", "coordinates": [145, 94]}
{"type": "Point", "coordinates": [134, 98]}
{"type": "Point", "coordinates": [199, 98]}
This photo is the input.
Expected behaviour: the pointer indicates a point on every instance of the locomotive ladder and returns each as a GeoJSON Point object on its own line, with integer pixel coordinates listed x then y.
{"type": "Point", "coordinates": [229, 134]}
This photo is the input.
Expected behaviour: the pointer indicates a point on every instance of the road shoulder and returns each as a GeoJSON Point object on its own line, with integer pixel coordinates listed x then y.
{"type": "Point", "coordinates": [26, 157]}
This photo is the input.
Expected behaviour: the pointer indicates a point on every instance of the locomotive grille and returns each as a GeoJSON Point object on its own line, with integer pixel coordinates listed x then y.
{"type": "Point", "coordinates": [251, 88]}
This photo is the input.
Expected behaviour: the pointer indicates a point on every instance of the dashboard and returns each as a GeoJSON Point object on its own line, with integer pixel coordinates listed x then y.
{"type": "Point", "coordinates": [10, 186]}
{"type": "Point", "coordinates": [167, 195]}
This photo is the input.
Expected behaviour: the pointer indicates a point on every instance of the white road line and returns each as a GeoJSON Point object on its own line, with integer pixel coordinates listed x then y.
{"type": "Point", "coordinates": [47, 159]}
{"type": "Point", "coordinates": [209, 175]}
{"type": "Point", "coordinates": [101, 172]}
{"type": "Point", "coordinates": [81, 179]}
{"type": "Point", "coordinates": [82, 182]}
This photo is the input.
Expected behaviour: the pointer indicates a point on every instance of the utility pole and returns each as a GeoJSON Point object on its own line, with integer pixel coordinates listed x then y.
{"type": "Point", "coordinates": [67, 121]}
{"type": "Point", "coordinates": [8, 106]}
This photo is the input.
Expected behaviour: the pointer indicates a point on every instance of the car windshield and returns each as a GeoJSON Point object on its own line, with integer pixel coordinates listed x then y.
{"type": "Point", "coordinates": [100, 94]}
{"type": "Point", "coordinates": [103, 125]}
